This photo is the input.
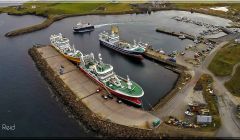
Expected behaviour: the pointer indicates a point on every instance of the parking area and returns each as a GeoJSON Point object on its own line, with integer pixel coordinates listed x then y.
{"type": "Point", "coordinates": [194, 54]}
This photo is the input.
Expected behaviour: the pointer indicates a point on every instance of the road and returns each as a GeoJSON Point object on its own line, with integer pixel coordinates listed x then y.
{"type": "Point", "coordinates": [226, 101]}
{"type": "Point", "coordinates": [230, 125]}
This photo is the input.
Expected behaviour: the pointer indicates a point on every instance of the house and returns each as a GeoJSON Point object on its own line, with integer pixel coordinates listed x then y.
{"type": "Point", "coordinates": [202, 119]}
{"type": "Point", "coordinates": [33, 6]}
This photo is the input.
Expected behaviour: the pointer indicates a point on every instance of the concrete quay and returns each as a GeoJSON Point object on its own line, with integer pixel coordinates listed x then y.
{"type": "Point", "coordinates": [84, 91]}
{"type": "Point", "coordinates": [163, 59]}
{"type": "Point", "coordinates": [177, 34]}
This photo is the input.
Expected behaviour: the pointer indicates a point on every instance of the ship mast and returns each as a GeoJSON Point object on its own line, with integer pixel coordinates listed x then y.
{"type": "Point", "coordinates": [129, 83]}
{"type": "Point", "coordinates": [135, 43]}
{"type": "Point", "coordinates": [100, 58]}
{"type": "Point", "coordinates": [100, 61]}
{"type": "Point", "coordinates": [74, 50]}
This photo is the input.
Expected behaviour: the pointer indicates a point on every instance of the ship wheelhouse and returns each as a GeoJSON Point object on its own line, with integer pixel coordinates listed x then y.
{"type": "Point", "coordinates": [113, 38]}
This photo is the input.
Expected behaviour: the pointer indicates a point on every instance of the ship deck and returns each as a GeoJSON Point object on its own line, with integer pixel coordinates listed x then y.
{"type": "Point", "coordinates": [85, 90]}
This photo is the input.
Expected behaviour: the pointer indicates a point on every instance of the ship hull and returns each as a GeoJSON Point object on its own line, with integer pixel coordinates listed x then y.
{"type": "Point", "coordinates": [82, 30]}
{"type": "Point", "coordinates": [135, 101]}
{"type": "Point", "coordinates": [72, 59]}
{"type": "Point", "coordinates": [122, 51]}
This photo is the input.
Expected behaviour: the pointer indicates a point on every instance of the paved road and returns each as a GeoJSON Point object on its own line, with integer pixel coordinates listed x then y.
{"type": "Point", "coordinates": [226, 101]}
{"type": "Point", "coordinates": [230, 125]}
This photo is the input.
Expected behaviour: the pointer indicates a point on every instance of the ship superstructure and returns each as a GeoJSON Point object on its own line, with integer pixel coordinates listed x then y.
{"type": "Point", "coordinates": [83, 27]}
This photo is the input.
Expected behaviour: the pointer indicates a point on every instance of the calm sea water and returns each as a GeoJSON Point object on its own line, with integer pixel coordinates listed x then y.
{"type": "Point", "coordinates": [26, 100]}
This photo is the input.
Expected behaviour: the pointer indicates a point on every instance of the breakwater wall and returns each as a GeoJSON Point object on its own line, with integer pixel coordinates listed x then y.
{"type": "Point", "coordinates": [177, 34]}
{"type": "Point", "coordinates": [162, 59]}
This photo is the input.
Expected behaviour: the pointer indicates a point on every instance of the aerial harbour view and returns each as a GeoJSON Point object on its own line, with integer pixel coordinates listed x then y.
{"type": "Point", "coordinates": [120, 69]}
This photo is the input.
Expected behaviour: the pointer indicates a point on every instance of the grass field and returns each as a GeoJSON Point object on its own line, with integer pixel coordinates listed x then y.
{"type": "Point", "coordinates": [233, 85]}
{"type": "Point", "coordinates": [49, 9]}
{"type": "Point", "coordinates": [224, 61]}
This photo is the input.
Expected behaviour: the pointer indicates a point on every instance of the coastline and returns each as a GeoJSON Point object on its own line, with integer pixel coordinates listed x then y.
{"type": "Point", "coordinates": [51, 19]}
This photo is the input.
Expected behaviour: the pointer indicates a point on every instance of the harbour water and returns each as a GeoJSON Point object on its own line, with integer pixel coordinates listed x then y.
{"type": "Point", "coordinates": [25, 98]}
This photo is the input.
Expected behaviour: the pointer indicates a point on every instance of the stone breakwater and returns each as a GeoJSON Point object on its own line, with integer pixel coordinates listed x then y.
{"type": "Point", "coordinates": [80, 111]}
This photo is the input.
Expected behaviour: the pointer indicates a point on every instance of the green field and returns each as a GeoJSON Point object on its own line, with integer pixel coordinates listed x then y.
{"type": "Point", "coordinates": [224, 61]}
{"type": "Point", "coordinates": [233, 85]}
{"type": "Point", "coordinates": [49, 9]}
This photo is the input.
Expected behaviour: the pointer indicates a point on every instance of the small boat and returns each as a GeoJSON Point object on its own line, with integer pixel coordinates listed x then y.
{"type": "Point", "coordinates": [161, 51]}
{"type": "Point", "coordinates": [181, 36]}
{"type": "Point", "coordinates": [81, 28]}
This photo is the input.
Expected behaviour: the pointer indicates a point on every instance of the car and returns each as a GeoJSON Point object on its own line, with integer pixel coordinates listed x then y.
{"type": "Point", "coordinates": [211, 91]}
{"type": "Point", "coordinates": [110, 96]}
{"type": "Point", "coordinates": [169, 122]}
{"type": "Point", "coordinates": [238, 107]}
{"type": "Point", "coordinates": [199, 53]}
{"type": "Point", "coordinates": [204, 111]}
{"type": "Point", "coordinates": [189, 113]}
{"type": "Point", "coordinates": [105, 97]}
{"type": "Point", "coordinates": [119, 101]}
{"type": "Point", "coordinates": [98, 90]}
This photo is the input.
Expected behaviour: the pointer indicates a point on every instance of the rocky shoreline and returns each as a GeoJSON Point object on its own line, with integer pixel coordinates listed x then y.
{"type": "Point", "coordinates": [81, 112]}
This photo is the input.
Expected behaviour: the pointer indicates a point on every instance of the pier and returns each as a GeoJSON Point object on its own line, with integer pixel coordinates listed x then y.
{"type": "Point", "coordinates": [83, 91]}
{"type": "Point", "coordinates": [177, 34]}
{"type": "Point", "coordinates": [163, 59]}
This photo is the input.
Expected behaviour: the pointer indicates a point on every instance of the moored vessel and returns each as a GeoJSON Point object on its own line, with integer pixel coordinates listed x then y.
{"type": "Point", "coordinates": [62, 45]}
{"type": "Point", "coordinates": [104, 75]}
{"type": "Point", "coordinates": [112, 41]}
